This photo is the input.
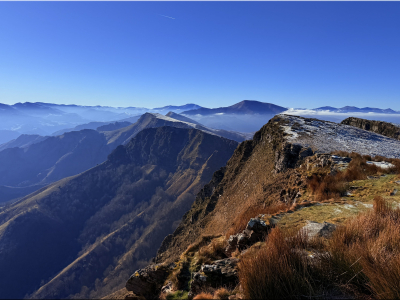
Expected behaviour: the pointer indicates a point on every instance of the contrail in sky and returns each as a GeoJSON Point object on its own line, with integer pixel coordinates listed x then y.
{"type": "Point", "coordinates": [168, 17]}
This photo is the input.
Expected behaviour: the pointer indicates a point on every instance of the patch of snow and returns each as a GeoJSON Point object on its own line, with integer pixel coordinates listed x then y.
{"type": "Point", "coordinates": [348, 206]}
{"type": "Point", "coordinates": [381, 164]}
{"type": "Point", "coordinates": [325, 137]}
{"type": "Point", "coordinates": [289, 131]}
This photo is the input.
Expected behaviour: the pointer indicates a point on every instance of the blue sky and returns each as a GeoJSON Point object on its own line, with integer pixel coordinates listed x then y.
{"type": "Point", "coordinates": [294, 54]}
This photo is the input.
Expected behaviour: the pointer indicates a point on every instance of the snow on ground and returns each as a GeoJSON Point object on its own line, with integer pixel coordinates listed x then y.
{"type": "Point", "coordinates": [325, 136]}
{"type": "Point", "coordinates": [381, 164]}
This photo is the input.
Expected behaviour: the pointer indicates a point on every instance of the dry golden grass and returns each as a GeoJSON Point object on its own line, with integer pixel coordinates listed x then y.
{"type": "Point", "coordinates": [366, 252]}
{"type": "Point", "coordinates": [362, 258]}
{"type": "Point", "coordinates": [214, 251]}
{"type": "Point", "coordinates": [203, 296]}
{"type": "Point", "coordinates": [222, 294]}
{"type": "Point", "coordinates": [279, 270]}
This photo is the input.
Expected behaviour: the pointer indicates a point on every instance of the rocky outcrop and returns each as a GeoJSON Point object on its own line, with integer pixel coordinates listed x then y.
{"type": "Point", "coordinates": [290, 156]}
{"type": "Point", "coordinates": [255, 231]}
{"type": "Point", "coordinates": [383, 128]}
{"type": "Point", "coordinates": [220, 273]}
{"type": "Point", "coordinates": [148, 282]}
{"type": "Point", "coordinates": [332, 162]}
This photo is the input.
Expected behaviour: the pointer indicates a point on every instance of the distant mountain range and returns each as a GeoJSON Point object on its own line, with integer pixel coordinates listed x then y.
{"type": "Point", "coordinates": [54, 119]}
{"type": "Point", "coordinates": [349, 109]}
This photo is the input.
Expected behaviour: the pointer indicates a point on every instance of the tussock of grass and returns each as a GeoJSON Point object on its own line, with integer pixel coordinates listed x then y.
{"type": "Point", "coordinates": [221, 294]}
{"type": "Point", "coordinates": [278, 271]}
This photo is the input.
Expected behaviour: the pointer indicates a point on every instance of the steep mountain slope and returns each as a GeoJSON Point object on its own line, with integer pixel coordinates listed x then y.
{"type": "Point", "coordinates": [232, 135]}
{"type": "Point", "coordinates": [150, 120]}
{"type": "Point", "coordinates": [182, 118]}
{"type": "Point", "coordinates": [261, 169]}
{"type": "Point", "coordinates": [53, 158]}
{"type": "Point", "coordinates": [380, 127]}
{"type": "Point", "coordinates": [13, 193]}
{"type": "Point", "coordinates": [243, 107]}
{"type": "Point", "coordinates": [86, 233]}
{"type": "Point", "coordinates": [114, 126]}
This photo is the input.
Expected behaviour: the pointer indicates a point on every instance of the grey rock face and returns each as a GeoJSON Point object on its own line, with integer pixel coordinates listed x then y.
{"type": "Point", "coordinates": [289, 156]}
{"type": "Point", "coordinates": [255, 231]}
{"type": "Point", "coordinates": [148, 282]}
{"type": "Point", "coordinates": [221, 272]}
{"type": "Point", "coordinates": [315, 229]}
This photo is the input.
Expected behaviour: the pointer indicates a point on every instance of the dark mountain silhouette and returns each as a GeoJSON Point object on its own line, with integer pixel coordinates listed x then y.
{"type": "Point", "coordinates": [243, 107]}
{"type": "Point", "coordinates": [189, 106]}
{"type": "Point", "coordinates": [83, 235]}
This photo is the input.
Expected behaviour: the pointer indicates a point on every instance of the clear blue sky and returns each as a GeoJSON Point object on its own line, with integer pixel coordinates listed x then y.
{"type": "Point", "coordinates": [294, 54]}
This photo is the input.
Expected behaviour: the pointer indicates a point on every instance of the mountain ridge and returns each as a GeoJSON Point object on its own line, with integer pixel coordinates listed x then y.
{"type": "Point", "coordinates": [140, 191]}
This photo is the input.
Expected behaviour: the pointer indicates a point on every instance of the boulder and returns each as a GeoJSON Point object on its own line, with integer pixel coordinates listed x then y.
{"type": "Point", "coordinates": [222, 272]}
{"type": "Point", "coordinates": [255, 231]}
{"type": "Point", "coordinates": [315, 229]}
{"type": "Point", "coordinates": [148, 282]}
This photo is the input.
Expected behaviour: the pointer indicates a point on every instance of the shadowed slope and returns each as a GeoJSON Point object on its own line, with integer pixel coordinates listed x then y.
{"type": "Point", "coordinates": [108, 220]}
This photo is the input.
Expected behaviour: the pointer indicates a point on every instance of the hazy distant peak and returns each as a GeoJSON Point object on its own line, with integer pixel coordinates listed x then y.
{"type": "Point", "coordinates": [243, 107]}
{"type": "Point", "coordinates": [188, 106]}
{"type": "Point", "coordinates": [347, 109]}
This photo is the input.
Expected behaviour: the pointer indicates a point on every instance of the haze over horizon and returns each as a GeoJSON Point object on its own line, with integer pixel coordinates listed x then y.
{"type": "Point", "coordinates": [214, 54]}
